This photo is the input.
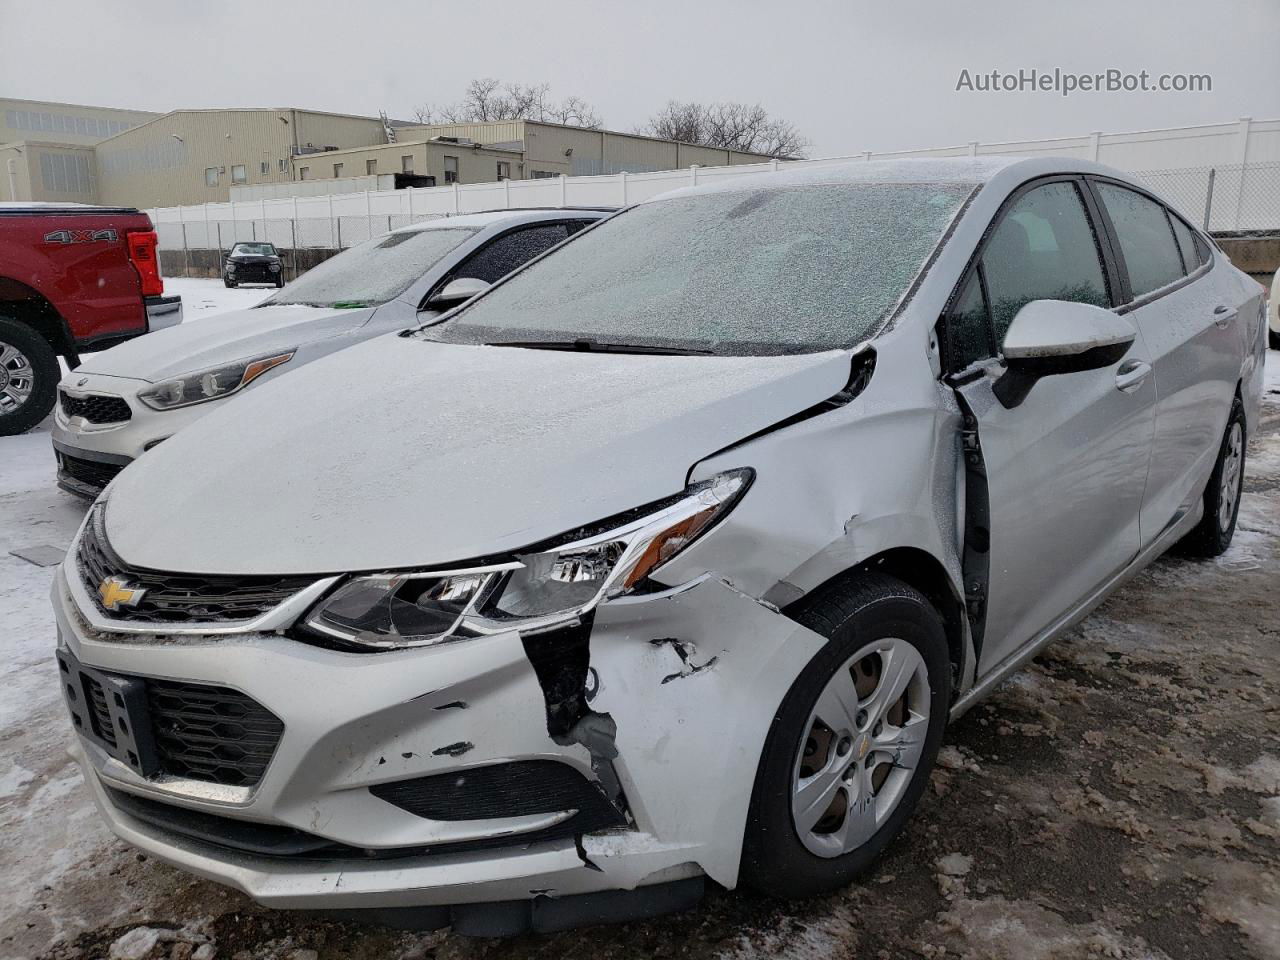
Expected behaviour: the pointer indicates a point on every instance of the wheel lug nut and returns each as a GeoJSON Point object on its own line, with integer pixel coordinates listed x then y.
{"type": "Point", "coordinates": [879, 728]}
{"type": "Point", "coordinates": [861, 718]}
{"type": "Point", "coordinates": [844, 746]}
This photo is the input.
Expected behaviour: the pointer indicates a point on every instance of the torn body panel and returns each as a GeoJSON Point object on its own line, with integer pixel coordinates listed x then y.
{"type": "Point", "coordinates": [699, 719]}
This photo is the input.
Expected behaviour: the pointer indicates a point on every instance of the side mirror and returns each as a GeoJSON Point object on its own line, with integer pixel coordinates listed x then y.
{"type": "Point", "coordinates": [458, 291]}
{"type": "Point", "coordinates": [1050, 337]}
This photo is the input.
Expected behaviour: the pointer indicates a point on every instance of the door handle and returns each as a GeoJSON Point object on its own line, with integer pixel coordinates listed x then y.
{"type": "Point", "coordinates": [1131, 374]}
{"type": "Point", "coordinates": [1222, 316]}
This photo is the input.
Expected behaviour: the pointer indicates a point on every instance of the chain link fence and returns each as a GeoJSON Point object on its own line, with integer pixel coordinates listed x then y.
{"type": "Point", "coordinates": [197, 248]}
{"type": "Point", "coordinates": [1222, 199]}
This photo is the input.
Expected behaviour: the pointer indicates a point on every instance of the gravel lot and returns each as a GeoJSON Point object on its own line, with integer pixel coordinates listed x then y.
{"type": "Point", "coordinates": [1118, 798]}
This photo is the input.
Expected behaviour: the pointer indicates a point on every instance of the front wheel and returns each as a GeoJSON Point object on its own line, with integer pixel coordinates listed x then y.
{"type": "Point", "coordinates": [229, 284]}
{"type": "Point", "coordinates": [279, 282]}
{"type": "Point", "coordinates": [1273, 338]}
{"type": "Point", "coordinates": [852, 746]}
{"type": "Point", "coordinates": [28, 377]}
{"type": "Point", "coordinates": [1212, 535]}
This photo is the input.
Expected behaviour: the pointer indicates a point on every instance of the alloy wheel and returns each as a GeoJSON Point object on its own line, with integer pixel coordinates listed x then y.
{"type": "Point", "coordinates": [863, 741]}
{"type": "Point", "coordinates": [1232, 462]}
{"type": "Point", "coordinates": [17, 378]}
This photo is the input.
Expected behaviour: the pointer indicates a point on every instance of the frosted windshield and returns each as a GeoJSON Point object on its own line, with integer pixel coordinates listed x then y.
{"type": "Point", "coordinates": [749, 271]}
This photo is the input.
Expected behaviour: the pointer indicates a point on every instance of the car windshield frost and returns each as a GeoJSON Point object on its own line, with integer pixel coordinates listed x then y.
{"type": "Point", "coordinates": [254, 249]}
{"type": "Point", "coordinates": [373, 272]}
{"type": "Point", "coordinates": [763, 271]}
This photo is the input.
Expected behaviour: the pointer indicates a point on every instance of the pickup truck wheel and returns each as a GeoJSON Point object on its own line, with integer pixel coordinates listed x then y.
{"type": "Point", "coordinates": [279, 282]}
{"type": "Point", "coordinates": [28, 377]}
{"type": "Point", "coordinates": [1274, 339]}
{"type": "Point", "coordinates": [852, 746]}
{"type": "Point", "coordinates": [229, 284]}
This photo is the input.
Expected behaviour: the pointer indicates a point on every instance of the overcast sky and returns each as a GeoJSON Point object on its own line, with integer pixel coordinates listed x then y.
{"type": "Point", "coordinates": [852, 75]}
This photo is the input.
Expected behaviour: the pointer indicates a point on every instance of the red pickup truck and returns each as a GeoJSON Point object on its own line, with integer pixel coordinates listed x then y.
{"type": "Point", "coordinates": [73, 278]}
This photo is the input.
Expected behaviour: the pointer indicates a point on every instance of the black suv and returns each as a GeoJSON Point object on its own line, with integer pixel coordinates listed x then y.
{"type": "Point", "coordinates": [252, 262]}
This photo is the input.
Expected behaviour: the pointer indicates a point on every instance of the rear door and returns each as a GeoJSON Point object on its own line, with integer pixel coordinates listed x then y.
{"type": "Point", "coordinates": [1187, 312]}
{"type": "Point", "coordinates": [1065, 470]}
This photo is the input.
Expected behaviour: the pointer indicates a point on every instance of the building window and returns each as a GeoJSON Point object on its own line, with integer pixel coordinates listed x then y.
{"type": "Point", "coordinates": [371, 166]}
{"type": "Point", "coordinates": [282, 164]}
{"type": "Point", "coordinates": [504, 170]}
{"type": "Point", "coordinates": [542, 174]}
{"type": "Point", "coordinates": [406, 163]}
{"type": "Point", "coordinates": [337, 170]}
{"type": "Point", "coordinates": [65, 173]}
{"type": "Point", "coordinates": [264, 168]}
{"type": "Point", "coordinates": [450, 169]}
{"type": "Point", "coordinates": [210, 176]}
{"type": "Point", "coordinates": [304, 173]}
{"type": "Point", "coordinates": [238, 173]}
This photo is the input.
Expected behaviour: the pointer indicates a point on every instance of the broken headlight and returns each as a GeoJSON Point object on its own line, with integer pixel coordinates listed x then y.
{"type": "Point", "coordinates": [572, 578]}
{"type": "Point", "coordinates": [209, 384]}
{"type": "Point", "coordinates": [541, 588]}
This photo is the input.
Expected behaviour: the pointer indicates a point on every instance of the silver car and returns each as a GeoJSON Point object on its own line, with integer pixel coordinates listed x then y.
{"type": "Point", "coordinates": [122, 402]}
{"type": "Point", "coordinates": [665, 560]}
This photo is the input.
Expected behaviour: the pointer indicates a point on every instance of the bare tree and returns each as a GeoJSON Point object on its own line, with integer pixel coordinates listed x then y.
{"type": "Point", "coordinates": [489, 99]}
{"type": "Point", "coordinates": [733, 126]}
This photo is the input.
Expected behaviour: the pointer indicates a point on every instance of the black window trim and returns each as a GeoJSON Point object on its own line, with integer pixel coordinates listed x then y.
{"type": "Point", "coordinates": [515, 228]}
{"type": "Point", "coordinates": [1130, 302]}
{"type": "Point", "coordinates": [1110, 270]}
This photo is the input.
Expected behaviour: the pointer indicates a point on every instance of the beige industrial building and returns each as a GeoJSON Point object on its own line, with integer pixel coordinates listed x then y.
{"type": "Point", "coordinates": [46, 148]}
{"type": "Point", "coordinates": [196, 156]}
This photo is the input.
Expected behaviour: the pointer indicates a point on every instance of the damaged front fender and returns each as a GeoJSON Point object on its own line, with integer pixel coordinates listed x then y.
{"type": "Point", "coordinates": [692, 679]}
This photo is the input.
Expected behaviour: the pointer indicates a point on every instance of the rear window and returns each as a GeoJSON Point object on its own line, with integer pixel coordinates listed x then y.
{"type": "Point", "coordinates": [373, 272]}
{"type": "Point", "coordinates": [757, 271]}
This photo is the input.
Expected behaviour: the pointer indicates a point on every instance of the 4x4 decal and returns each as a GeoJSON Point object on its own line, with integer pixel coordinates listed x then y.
{"type": "Point", "coordinates": [81, 236]}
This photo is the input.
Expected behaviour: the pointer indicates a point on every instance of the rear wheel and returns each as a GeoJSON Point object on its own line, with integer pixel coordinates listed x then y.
{"type": "Point", "coordinates": [28, 377]}
{"type": "Point", "coordinates": [853, 744]}
{"type": "Point", "coordinates": [1212, 535]}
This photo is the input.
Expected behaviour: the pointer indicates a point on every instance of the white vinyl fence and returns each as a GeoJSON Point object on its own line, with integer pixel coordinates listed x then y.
{"type": "Point", "coordinates": [1240, 197]}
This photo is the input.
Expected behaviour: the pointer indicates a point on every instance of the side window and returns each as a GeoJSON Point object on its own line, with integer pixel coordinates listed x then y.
{"type": "Point", "coordinates": [968, 327]}
{"type": "Point", "coordinates": [1146, 239]}
{"type": "Point", "coordinates": [493, 262]}
{"type": "Point", "coordinates": [1187, 246]}
{"type": "Point", "coordinates": [1043, 249]}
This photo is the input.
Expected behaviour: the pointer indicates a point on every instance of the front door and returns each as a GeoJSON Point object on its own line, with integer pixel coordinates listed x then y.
{"type": "Point", "coordinates": [1066, 469]}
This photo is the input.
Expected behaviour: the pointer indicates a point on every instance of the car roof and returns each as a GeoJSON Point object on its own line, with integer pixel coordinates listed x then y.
{"type": "Point", "coordinates": [973, 171]}
{"type": "Point", "coordinates": [489, 218]}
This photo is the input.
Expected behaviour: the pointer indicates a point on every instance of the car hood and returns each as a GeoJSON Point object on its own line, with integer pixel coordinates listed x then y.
{"type": "Point", "coordinates": [239, 335]}
{"type": "Point", "coordinates": [434, 453]}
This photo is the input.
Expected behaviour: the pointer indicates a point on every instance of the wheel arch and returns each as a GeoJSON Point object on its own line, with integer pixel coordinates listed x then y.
{"type": "Point", "coordinates": [21, 302]}
{"type": "Point", "coordinates": [923, 571]}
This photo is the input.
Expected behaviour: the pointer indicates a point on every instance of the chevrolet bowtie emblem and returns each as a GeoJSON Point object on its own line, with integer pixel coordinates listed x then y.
{"type": "Point", "coordinates": [116, 593]}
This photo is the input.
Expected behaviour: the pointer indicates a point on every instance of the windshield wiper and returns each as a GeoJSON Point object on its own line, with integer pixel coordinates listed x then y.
{"type": "Point", "coordinates": [589, 345]}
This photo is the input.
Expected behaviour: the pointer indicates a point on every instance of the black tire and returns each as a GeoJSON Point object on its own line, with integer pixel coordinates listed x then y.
{"type": "Point", "coordinates": [279, 282]}
{"type": "Point", "coordinates": [1210, 537]}
{"type": "Point", "coordinates": [44, 376]}
{"type": "Point", "coordinates": [1273, 338]}
{"type": "Point", "coordinates": [230, 284]}
{"type": "Point", "coordinates": [851, 613]}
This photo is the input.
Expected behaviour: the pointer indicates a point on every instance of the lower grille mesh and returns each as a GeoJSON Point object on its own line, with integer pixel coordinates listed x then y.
{"type": "Point", "coordinates": [213, 734]}
{"type": "Point", "coordinates": [515, 789]}
{"type": "Point", "coordinates": [90, 472]}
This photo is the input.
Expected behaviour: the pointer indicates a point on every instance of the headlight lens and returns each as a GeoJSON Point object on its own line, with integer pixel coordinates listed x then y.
{"type": "Point", "coordinates": [209, 384]}
{"type": "Point", "coordinates": [396, 610]}
{"type": "Point", "coordinates": [392, 610]}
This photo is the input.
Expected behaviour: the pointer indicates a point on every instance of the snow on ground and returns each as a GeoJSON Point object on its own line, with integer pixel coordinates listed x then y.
{"type": "Point", "coordinates": [1118, 798]}
{"type": "Point", "coordinates": [203, 298]}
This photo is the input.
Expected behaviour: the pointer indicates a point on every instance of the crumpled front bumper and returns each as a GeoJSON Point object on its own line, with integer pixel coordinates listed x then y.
{"type": "Point", "coordinates": [690, 678]}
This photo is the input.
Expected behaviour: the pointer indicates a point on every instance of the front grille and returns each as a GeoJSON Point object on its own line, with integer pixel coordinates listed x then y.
{"type": "Point", "coordinates": [501, 790]}
{"type": "Point", "coordinates": [95, 407]}
{"type": "Point", "coordinates": [213, 734]}
{"type": "Point", "coordinates": [90, 472]}
{"type": "Point", "coordinates": [99, 715]}
{"type": "Point", "coordinates": [173, 598]}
